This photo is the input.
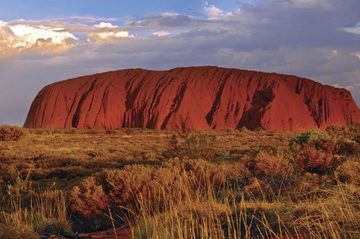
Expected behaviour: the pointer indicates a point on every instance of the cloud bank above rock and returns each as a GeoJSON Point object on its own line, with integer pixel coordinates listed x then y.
{"type": "Point", "coordinates": [315, 39]}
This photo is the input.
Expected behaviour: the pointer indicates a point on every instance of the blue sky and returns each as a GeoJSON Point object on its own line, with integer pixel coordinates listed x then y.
{"type": "Point", "coordinates": [40, 9]}
{"type": "Point", "coordinates": [43, 41]}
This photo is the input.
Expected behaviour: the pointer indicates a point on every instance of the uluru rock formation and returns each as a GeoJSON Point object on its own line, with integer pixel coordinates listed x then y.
{"type": "Point", "coordinates": [194, 98]}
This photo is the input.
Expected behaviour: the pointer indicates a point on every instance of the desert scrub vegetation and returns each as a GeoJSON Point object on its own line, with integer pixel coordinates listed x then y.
{"type": "Point", "coordinates": [348, 172]}
{"type": "Point", "coordinates": [165, 184]}
{"type": "Point", "coordinates": [193, 145]}
{"type": "Point", "coordinates": [209, 217]}
{"type": "Point", "coordinates": [134, 185]}
{"type": "Point", "coordinates": [28, 214]}
{"type": "Point", "coordinates": [321, 152]}
{"type": "Point", "coordinates": [11, 133]}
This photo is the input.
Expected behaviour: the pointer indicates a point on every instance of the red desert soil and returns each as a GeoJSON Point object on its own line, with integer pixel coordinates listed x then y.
{"type": "Point", "coordinates": [122, 233]}
{"type": "Point", "coordinates": [194, 98]}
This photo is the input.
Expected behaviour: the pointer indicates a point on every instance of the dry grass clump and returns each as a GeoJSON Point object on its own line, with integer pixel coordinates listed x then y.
{"type": "Point", "coordinates": [153, 185]}
{"type": "Point", "coordinates": [214, 184]}
{"type": "Point", "coordinates": [357, 139]}
{"type": "Point", "coordinates": [307, 185]}
{"type": "Point", "coordinates": [349, 172]}
{"type": "Point", "coordinates": [28, 216]}
{"type": "Point", "coordinates": [272, 166]}
{"type": "Point", "coordinates": [207, 219]}
{"type": "Point", "coordinates": [27, 213]}
{"type": "Point", "coordinates": [319, 153]}
{"type": "Point", "coordinates": [336, 216]}
{"type": "Point", "coordinates": [271, 174]}
{"type": "Point", "coordinates": [352, 130]}
{"type": "Point", "coordinates": [14, 230]}
{"type": "Point", "coordinates": [314, 152]}
{"type": "Point", "coordinates": [121, 188]}
{"type": "Point", "coordinates": [193, 145]}
{"type": "Point", "coordinates": [341, 212]}
{"type": "Point", "coordinates": [314, 160]}
{"type": "Point", "coordinates": [89, 197]}
{"type": "Point", "coordinates": [11, 133]}
{"type": "Point", "coordinates": [347, 147]}
{"type": "Point", "coordinates": [137, 184]}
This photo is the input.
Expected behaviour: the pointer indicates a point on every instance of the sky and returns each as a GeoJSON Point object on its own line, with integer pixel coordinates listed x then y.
{"type": "Point", "coordinates": [47, 41]}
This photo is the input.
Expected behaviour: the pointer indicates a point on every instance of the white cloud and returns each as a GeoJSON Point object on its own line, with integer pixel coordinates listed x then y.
{"type": "Point", "coordinates": [161, 33]}
{"type": "Point", "coordinates": [213, 13]}
{"type": "Point", "coordinates": [353, 30]}
{"type": "Point", "coordinates": [285, 36]}
{"type": "Point", "coordinates": [27, 36]}
{"type": "Point", "coordinates": [105, 25]}
{"type": "Point", "coordinates": [20, 37]}
{"type": "Point", "coordinates": [169, 14]}
{"type": "Point", "coordinates": [108, 32]}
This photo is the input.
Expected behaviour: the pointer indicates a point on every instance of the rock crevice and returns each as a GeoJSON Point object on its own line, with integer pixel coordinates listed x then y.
{"type": "Point", "coordinates": [194, 98]}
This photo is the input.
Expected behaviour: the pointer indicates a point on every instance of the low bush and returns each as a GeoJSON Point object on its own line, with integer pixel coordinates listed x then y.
{"type": "Point", "coordinates": [192, 145]}
{"type": "Point", "coordinates": [314, 160]}
{"type": "Point", "coordinates": [357, 139]}
{"type": "Point", "coordinates": [11, 133]}
{"type": "Point", "coordinates": [27, 213]}
{"type": "Point", "coordinates": [272, 166]}
{"type": "Point", "coordinates": [273, 173]}
{"type": "Point", "coordinates": [307, 137]}
{"type": "Point", "coordinates": [137, 185]}
{"type": "Point", "coordinates": [348, 172]}
{"type": "Point", "coordinates": [307, 183]}
{"type": "Point", "coordinates": [347, 147]}
{"type": "Point", "coordinates": [14, 230]}
{"type": "Point", "coordinates": [314, 152]}
{"type": "Point", "coordinates": [336, 131]}
{"type": "Point", "coordinates": [89, 197]}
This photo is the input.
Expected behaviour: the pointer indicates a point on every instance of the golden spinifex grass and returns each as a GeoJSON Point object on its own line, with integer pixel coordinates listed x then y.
{"type": "Point", "coordinates": [211, 184]}
{"type": "Point", "coordinates": [193, 199]}
{"type": "Point", "coordinates": [25, 213]}
{"type": "Point", "coordinates": [210, 214]}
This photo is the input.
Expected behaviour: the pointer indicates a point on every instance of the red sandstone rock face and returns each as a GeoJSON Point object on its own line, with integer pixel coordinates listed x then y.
{"type": "Point", "coordinates": [194, 98]}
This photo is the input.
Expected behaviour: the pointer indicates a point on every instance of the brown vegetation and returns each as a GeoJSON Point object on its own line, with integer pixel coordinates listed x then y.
{"type": "Point", "coordinates": [11, 133]}
{"type": "Point", "coordinates": [216, 184]}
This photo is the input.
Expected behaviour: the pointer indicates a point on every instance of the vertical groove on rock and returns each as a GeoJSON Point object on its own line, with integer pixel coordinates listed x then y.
{"type": "Point", "coordinates": [176, 104]}
{"type": "Point", "coordinates": [193, 98]}
{"type": "Point", "coordinates": [216, 104]}
{"type": "Point", "coordinates": [76, 117]}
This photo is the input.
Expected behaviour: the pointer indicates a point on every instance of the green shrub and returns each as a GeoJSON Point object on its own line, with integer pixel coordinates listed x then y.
{"type": "Point", "coordinates": [192, 145]}
{"type": "Point", "coordinates": [307, 137]}
{"type": "Point", "coordinates": [11, 133]}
